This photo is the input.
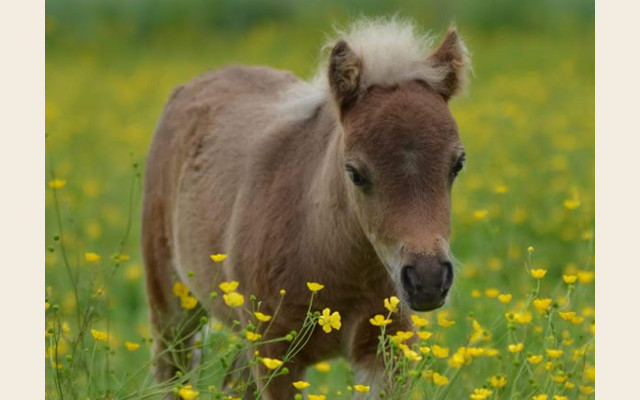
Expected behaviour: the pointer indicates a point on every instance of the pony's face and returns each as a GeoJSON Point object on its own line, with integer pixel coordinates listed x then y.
{"type": "Point", "coordinates": [402, 156]}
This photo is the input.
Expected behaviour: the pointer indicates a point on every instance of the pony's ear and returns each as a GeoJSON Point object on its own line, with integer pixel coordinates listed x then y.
{"type": "Point", "coordinates": [452, 59]}
{"type": "Point", "coordinates": [345, 69]}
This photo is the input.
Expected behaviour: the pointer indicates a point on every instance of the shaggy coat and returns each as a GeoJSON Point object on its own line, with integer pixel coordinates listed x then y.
{"type": "Point", "coordinates": [344, 180]}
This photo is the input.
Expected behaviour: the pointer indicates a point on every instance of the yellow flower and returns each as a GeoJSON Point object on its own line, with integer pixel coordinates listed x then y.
{"type": "Point", "coordinates": [475, 293]}
{"type": "Point", "coordinates": [587, 389]}
{"type": "Point", "coordinates": [323, 366]}
{"type": "Point", "coordinates": [577, 320]}
{"type": "Point", "coordinates": [131, 346]}
{"type": "Point", "coordinates": [492, 292]}
{"type": "Point", "coordinates": [424, 335]}
{"type": "Point", "coordinates": [402, 336]}
{"type": "Point", "coordinates": [477, 351]}
{"type": "Point", "coordinates": [180, 289]}
{"type": "Point", "coordinates": [328, 320]}
{"type": "Point", "coordinates": [410, 354]}
{"type": "Point", "coordinates": [500, 189]}
{"type": "Point", "coordinates": [567, 316]}
{"type": "Point", "coordinates": [505, 298]}
{"type": "Point", "coordinates": [535, 359]}
{"type": "Point", "coordinates": [314, 286]}
{"type": "Point", "coordinates": [262, 317]}
{"type": "Point", "coordinates": [515, 348]}
{"type": "Point", "coordinates": [187, 393]}
{"type": "Point", "coordinates": [558, 397]}
{"type": "Point", "coordinates": [439, 379]}
{"type": "Point", "coordinates": [100, 336]}
{"type": "Point", "coordinates": [424, 349]}
{"type": "Point", "coordinates": [91, 257]}
{"type": "Point", "coordinates": [539, 397]}
{"type": "Point", "coordinates": [282, 292]}
{"type": "Point", "coordinates": [590, 373]}
{"type": "Point", "coordinates": [498, 381]}
{"type": "Point", "coordinates": [561, 377]}
{"type": "Point", "coordinates": [217, 258]}
{"type": "Point", "coordinates": [570, 204]}
{"type": "Point", "coordinates": [479, 333]}
{"type": "Point", "coordinates": [440, 352]}
{"type": "Point", "coordinates": [569, 278]}
{"type": "Point", "coordinates": [491, 352]}
{"type": "Point", "coordinates": [542, 305]}
{"type": "Point", "coordinates": [480, 394]}
{"type": "Point", "coordinates": [57, 183]}
{"type": "Point", "coordinates": [530, 249]}
{"type": "Point", "coordinates": [379, 320]}
{"type": "Point", "coordinates": [480, 214]}
{"type": "Point", "coordinates": [188, 302]}
{"type": "Point", "coordinates": [443, 321]}
{"type": "Point", "coordinates": [519, 317]}
{"type": "Point", "coordinates": [586, 276]}
{"type": "Point", "coordinates": [121, 257]}
{"type": "Point", "coordinates": [554, 353]}
{"type": "Point", "coordinates": [361, 388]}
{"type": "Point", "coordinates": [301, 384]}
{"type": "Point", "coordinates": [538, 273]}
{"type": "Point", "coordinates": [418, 321]}
{"type": "Point", "coordinates": [391, 304]}
{"type": "Point", "coordinates": [569, 385]}
{"type": "Point", "coordinates": [461, 357]}
{"type": "Point", "coordinates": [233, 299]}
{"type": "Point", "coordinates": [252, 336]}
{"type": "Point", "coordinates": [271, 363]}
{"type": "Point", "coordinates": [495, 264]}
{"type": "Point", "coordinates": [317, 397]}
{"type": "Point", "coordinates": [229, 287]}
{"type": "Point", "coordinates": [47, 305]}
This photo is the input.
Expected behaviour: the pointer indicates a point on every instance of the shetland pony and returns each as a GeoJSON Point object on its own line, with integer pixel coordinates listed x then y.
{"type": "Point", "coordinates": [344, 180]}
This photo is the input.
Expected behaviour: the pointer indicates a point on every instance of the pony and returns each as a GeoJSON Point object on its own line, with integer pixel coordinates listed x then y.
{"type": "Point", "coordinates": [344, 180]}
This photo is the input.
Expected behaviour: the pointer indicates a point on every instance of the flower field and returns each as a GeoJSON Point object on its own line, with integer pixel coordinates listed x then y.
{"type": "Point", "coordinates": [520, 321]}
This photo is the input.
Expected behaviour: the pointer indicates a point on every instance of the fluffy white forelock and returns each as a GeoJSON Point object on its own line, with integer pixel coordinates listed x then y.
{"type": "Point", "coordinates": [391, 51]}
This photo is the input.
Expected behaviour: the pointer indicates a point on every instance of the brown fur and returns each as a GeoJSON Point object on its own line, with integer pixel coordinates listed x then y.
{"type": "Point", "coordinates": [225, 174]}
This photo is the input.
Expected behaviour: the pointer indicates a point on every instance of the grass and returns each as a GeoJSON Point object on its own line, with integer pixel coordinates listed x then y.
{"type": "Point", "coordinates": [528, 128]}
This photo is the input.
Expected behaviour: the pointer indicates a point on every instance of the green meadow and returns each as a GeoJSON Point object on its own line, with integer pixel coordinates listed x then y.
{"type": "Point", "coordinates": [524, 203]}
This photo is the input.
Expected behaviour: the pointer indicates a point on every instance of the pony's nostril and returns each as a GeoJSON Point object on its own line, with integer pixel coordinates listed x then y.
{"type": "Point", "coordinates": [409, 278]}
{"type": "Point", "coordinates": [447, 276]}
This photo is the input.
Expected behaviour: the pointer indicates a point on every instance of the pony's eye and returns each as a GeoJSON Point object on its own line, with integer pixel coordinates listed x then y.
{"type": "Point", "coordinates": [458, 167]}
{"type": "Point", "coordinates": [356, 177]}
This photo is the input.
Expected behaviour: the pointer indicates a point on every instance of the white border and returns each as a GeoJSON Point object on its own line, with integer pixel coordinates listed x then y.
{"type": "Point", "coordinates": [22, 160]}
{"type": "Point", "coordinates": [617, 198]}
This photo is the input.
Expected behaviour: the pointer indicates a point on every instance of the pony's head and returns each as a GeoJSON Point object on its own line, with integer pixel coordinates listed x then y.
{"type": "Point", "coordinates": [402, 152]}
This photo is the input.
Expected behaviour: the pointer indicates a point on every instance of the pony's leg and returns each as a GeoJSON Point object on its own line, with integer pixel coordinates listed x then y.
{"type": "Point", "coordinates": [239, 373]}
{"type": "Point", "coordinates": [279, 387]}
{"type": "Point", "coordinates": [363, 342]}
{"type": "Point", "coordinates": [173, 328]}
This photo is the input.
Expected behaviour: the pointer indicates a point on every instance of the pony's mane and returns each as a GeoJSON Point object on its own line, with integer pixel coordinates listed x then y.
{"type": "Point", "coordinates": [391, 50]}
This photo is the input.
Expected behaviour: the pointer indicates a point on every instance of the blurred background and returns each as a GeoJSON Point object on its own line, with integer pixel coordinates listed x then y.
{"type": "Point", "coordinates": [527, 123]}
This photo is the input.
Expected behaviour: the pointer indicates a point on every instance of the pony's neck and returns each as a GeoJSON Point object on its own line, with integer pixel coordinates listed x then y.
{"type": "Point", "coordinates": [332, 220]}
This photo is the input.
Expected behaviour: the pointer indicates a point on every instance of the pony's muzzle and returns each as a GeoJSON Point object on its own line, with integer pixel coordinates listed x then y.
{"type": "Point", "coordinates": [427, 282]}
